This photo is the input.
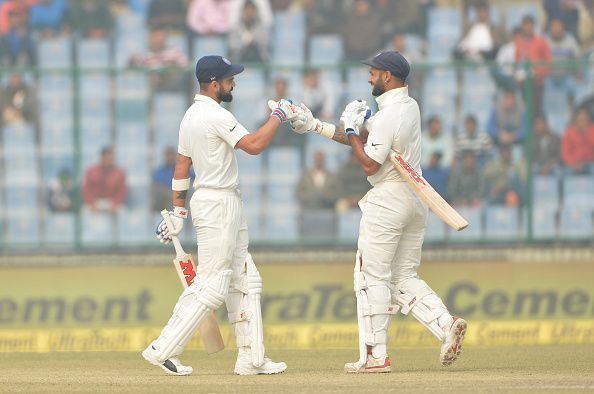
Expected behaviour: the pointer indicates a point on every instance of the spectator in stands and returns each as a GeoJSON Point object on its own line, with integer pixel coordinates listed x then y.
{"type": "Point", "coordinates": [534, 48]}
{"type": "Point", "coordinates": [436, 174]}
{"type": "Point", "coordinates": [209, 17]}
{"type": "Point", "coordinates": [159, 55]}
{"type": "Point", "coordinates": [263, 11]}
{"type": "Point", "coordinates": [323, 16]}
{"type": "Point", "coordinates": [566, 11]}
{"type": "Point", "coordinates": [316, 188]}
{"type": "Point", "coordinates": [361, 31]}
{"type": "Point", "coordinates": [404, 16]}
{"type": "Point", "coordinates": [481, 40]}
{"type": "Point", "coordinates": [17, 101]}
{"type": "Point", "coordinates": [248, 38]}
{"type": "Point", "coordinates": [16, 46]}
{"type": "Point", "coordinates": [20, 7]}
{"type": "Point", "coordinates": [504, 179]}
{"type": "Point", "coordinates": [588, 103]}
{"type": "Point", "coordinates": [61, 192]}
{"type": "Point", "coordinates": [474, 140]}
{"type": "Point", "coordinates": [90, 18]}
{"type": "Point", "coordinates": [167, 14]}
{"type": "Point", "coordinates": [162, 176]}
{"type": "Point", "coordinates": [319, 96]}
{"type": "Point", "coordinates": [546, 156]}
{"type": "Point", "coordinates": [507, 71]}
{"type": "Point", "coordinates": [564, 48]}
{"type": "Point", "coordinates": [436, 140]}
{"type": "Point", "coordinates": [104, 185]}
{"type": "Point", "coordinates": [48, 17]}
{"type": "Point", "coordinates": [507, 123]}
{"type": "Point", "coordinates": [466, 185]}
{"type": "Point", "coordinates": [351, 184]}
{"type": "Point", "coordinates": [577, 144]}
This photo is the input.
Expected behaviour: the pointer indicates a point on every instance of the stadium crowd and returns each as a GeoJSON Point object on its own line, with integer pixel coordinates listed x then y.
{"type": "Point", "coordinates": [478, 114]}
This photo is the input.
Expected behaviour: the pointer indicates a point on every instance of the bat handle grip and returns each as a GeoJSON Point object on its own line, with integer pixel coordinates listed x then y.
{"type": "Point", "coordinates": [179, 250]}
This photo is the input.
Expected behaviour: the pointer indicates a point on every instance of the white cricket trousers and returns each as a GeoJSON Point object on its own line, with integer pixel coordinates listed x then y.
{"type": "Point", "coordinates": [221, 232]}
{"type": "Point", "coordinates": [391, 233]}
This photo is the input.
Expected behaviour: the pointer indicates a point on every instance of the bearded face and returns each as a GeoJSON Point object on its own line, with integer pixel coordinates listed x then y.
{"type": "Point", "coordinates": [378, 88]}
{"type": "Point", "coordinates": [225, 95]}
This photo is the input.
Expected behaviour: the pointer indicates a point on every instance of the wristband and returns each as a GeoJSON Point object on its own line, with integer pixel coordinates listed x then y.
{"type": "Point", "coordinates": [179, 185]}
{"type": "Point", "coordinates": [180, 212]}
{"type": "Point", "coordinates": [351, 132]}
{"type": "Point", "coordinates": [326, 129]}
{"type": "Point", "coordinates": [279, 114]}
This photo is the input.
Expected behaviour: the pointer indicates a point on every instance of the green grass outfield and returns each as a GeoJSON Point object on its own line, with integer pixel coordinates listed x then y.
{"type": "Point", "coordinates": [519, 369]}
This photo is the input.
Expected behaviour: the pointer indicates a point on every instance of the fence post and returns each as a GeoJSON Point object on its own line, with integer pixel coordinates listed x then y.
{"type": "Point", "coordinates": [528, 146]}
{"type": "Point", "coordinates": [75, 74]}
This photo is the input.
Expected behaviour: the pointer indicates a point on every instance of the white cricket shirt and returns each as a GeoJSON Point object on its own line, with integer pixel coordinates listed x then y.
{"type": "Point", "coordinates": [208, 134]}
{"type": "Point", "coordinates": [396, 126]}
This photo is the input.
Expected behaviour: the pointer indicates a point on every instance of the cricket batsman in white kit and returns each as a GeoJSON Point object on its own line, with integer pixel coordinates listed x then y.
{"type": "Point", "coordinates": [393, 219]}
{"type": "Point", "coordinates": [208, 135]}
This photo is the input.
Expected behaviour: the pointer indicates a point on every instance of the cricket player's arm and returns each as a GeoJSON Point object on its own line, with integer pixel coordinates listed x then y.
{"type": "Point", "coordinates": [256, 142]}
{"type": "Point", "coordinates": [181, 180]}
{"type": "Point", "coordinates": [369, 165]}
{"type": "Point", "coordinates": [341, 137]}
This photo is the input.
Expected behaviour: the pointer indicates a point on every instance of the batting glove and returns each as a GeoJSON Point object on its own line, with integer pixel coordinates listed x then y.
{"type": "Point", "coordinates": [284, 110]}
{"type": "Point", "coordinates": [177, 216]}
{"type": "Point", "coordinates": [354, 115]}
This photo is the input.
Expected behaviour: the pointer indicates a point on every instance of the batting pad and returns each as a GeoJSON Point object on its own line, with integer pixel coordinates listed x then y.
{"type": "Point", "coordinates": [193, 306]}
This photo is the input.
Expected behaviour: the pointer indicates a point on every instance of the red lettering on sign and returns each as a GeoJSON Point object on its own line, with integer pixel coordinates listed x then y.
{"type": "Point", "coordinates": [188, 271]}
{"type": "Point", "coordinates": [413, 174]}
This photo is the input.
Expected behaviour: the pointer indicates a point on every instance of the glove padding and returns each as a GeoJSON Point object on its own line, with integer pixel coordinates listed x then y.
{"type": "Point", "coordinates": [177, 217]}
{"type": "Point", "coordinates": [284, 110]}
{"type": "Point", "coordinates": [354, 115]}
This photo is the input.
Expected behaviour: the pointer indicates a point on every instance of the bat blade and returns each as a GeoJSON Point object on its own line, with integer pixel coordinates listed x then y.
{"type": "Point", "coordinates": [209, 329]}
{"type": "Point", "coordinates": [429, 195]}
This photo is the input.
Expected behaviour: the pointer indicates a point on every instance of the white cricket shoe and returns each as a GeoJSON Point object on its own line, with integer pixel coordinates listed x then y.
{"type": "Point", "coordinates": [244, 366]}
{"type": "Point", "coordinates": [452, 345]}
{"type": "Point", "coordinates": [373, 365]}
{"type": "Point", "coordinates": [171, 366]}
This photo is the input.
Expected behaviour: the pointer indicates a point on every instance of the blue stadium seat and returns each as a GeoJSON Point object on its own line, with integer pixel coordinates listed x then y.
{"type": "Point", "coordinates": [130, 24]}
{"type": "Point", "coordinates": [578, 190]}
{"type": "Point", "coordinates": [325, 49]}
{"type": "Point", "coordinates": [546, 191]}
{"type": "Point", "coordinates": [22, 227]}
{"type": "Point", "coordinates": [515, 13]}
{"type": "Point", "coordinates": [479, 104]}
{"type": "Point", "coordinates": [294, 80]}
{"type": "Point", "coordinates": [336, 154]}
{"type": "Point", "coordinates": [98, 229]}
{"type": "Point", "coordinates": [502, 223]}
{"type": "Point", "coordinates": [93, 53]}
{"type": "Point", "coordinates": [179, 41]}
{"type": "Point", "coordinates": [285, 169]}
{"type": "Point", "coordinates": [59, 228]}
{"type": "Point", "coordinates": [249, 102]}
{"type": "Point", "coordinates": [318, 224]}
{"type": "Point", "coordinates": [544, 222]}
{"type": "Point", "coordinates": [494, 15]}
{"type": "Point", "coordinates": [17, 137]}
{"type": "Point", "coordinates": [21, 170]}
{"type": "Point", "coordinates": [436, 229]}
{"type": "Point", "coordinates": [132, 85]}
{"type": "Point", "coordinates": [280, 195]}
{"type": "Point", "coordinates": [96, 86]}
{"type": "Point", "coordinates": [443, 16]}
{"type": "Point", "coordinates": [255, 224]}
{"type": "Point", "coordinates": [474, 231]}
{"type": "Point", "coordinates": [556, 106]}
{"type": "Point", "coordinates": [54, 52]}
{"type": "Point", "coordinates": [289, 23]}
{"type": "Point", "coordinates": [130, 134]}
{"type": "Point", "coordinates": [169, 109]}
{"type": "Point", "coordinates": [128, 111]}
{"type": "Point", "coordinates": [575, 221]}
{"type": "Point", "coordinates": [348, 225]}
{"type": "Point", "coordinates": [209, 45]}
{"type": "Point", "coordinates": [134, 227]}
{"type": "Point", "coordinates": [251, 195]}
{"type": "Point", "coordinates": [289, 52]}
{"type": "Point", "coordinates": [21, 198]}
{"type": "Point", "coordinates": [357, 86]}
{"type": "Point", "coordinates": [134, 160]}
{"type": "Point", "coordinates": [250, 169]}
{"type": "Point", "coordinates": [281, 223]}
{"type": "Point", "coordinates": [56, 133]}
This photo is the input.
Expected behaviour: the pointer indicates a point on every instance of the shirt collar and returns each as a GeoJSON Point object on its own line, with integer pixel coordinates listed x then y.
{"type": "Point", "coordinates": [392, 96]}
{"type": "Point", "coordinates": [204, 99]}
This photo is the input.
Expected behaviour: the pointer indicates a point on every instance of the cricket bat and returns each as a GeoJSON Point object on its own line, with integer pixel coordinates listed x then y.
{"type": "Point", "coordinates": [428, 194]}
{"type": "Point", "coordinates": [186, 270]}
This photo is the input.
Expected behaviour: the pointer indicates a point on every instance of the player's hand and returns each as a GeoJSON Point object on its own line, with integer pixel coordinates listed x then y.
{"type": "Point", "coordinates": [306, 123]}
{"type": "Point", "coordinates": [177, 217]}
{"type": "Point", "coordinates": [354, 115]}
{"type": "Point", "coordinates": [284, 110]}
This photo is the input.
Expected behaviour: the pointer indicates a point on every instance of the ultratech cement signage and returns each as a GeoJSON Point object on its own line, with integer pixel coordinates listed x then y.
{"type": "Point", "coordinates": [122, 308]}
